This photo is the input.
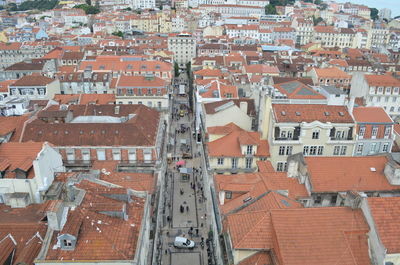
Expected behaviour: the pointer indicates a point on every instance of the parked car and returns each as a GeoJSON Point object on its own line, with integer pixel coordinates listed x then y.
{"type": "Point", "coordinates": [183, 242]}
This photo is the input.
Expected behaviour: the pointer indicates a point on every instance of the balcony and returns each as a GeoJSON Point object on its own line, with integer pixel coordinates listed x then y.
{"type": "Point", "coordinates": [121, 163]}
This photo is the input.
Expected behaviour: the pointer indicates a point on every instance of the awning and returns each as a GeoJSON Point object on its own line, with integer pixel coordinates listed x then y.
{"type": "Point", "coordinates": [181, 163]}
{"type": "Point", "coordinates": [186, 170]}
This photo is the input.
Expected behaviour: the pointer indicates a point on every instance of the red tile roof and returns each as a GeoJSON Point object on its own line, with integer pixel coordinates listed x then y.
{"type": "Point", "coordinates": [329, 236]}
{"type": "Point", "coordinates": [382, 80]}
{"type": "Point", "coordinates": [354, 174]}
{"type": "Point", "coordinates": [224, 130]}
{"type": "Point", "coordinates": [311, 112]}
{"type": "Point", "coordinates": [261, 69]}
{"type": "Point", "coordinates": [12, 124]}
{"type": "Point", "coordinates": [371, 114]}
{"type": "Point", "coordinates": [386, 213]}
{"type": "Point", "coordinates": [140, 81]}
{"type": "Point", "coordinates": [102, 237]}
{"type": "Point", "coordinates": [230, 145]}
{"type": "Point", "coordinates": [331, 72]}
{"type": "Point", "coordinates": [24, 226]}
{"type": "Point", "coordinates": [32, 80]}
{"type": "Point", "coordinates": [19, 155]}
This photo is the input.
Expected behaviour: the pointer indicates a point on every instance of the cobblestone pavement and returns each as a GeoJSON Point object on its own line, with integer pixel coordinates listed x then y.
{"type": "Point", "coordinates": [184, 192]}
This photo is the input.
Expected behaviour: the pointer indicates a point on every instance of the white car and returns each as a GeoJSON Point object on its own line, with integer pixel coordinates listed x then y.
{"type": "Point", "coordinates": [183, 242]}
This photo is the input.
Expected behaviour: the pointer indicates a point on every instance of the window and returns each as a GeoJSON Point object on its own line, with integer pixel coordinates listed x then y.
{"type": "Point", "coordinates": [234, 163]}
{"type": "Point", "coordinates": [281, 150]}
{"type": "Point", "coordinates": [305, 150]}
{"type": "Point", "coordinates": [336, 150]}
{"type": "Point", "coordinates": [101, 154]}
{"type": "Point", "coordinates": [119, 91]}
{"type": "Point", "coordinates": [220, 161]}
{"type": "Point", "coordinates": [385, 147]}
{"type": "Point", "coordinates": [129, 91]}
{"type": "Point", "coordinates": [320, 150]}
{"type": "Point", "coordinates": [313, 150]}
{"type": "Point", "coordinates": [281, 166]}
{"type": "Point", "coordinates": [339, 134]}
{"type": "Point", "coordinates": [249, 150]}
{"type": "Point", "coordinates": [373, 147]}
{"type": "Point", "coordinates": [159, 91]}
{"type": "Point", "coordinates": [116, 155]}
{"type": "Point", "coordinates": [343, 150]}
{"type": "Point", "coordinates": [289, 150]}
{"type": "Point", "coordinates": [360, 148]}
{"type": "Point", "coordinates": [67, 243]}
{"type": "Point", "coordinates": [249, 162]}
{"type": "Point", "coordinates": [315, 135]}
{"type": "Point", "coordinates": [159, 104]}
{"type": "Point", "coordinates": [283, 134]}
{"type": "Point", "coordinates": [41, 91]}
{"type": "Point", "coordinates": [362, 131]}
{"type": "Point", "coordinates": [139, 91]}
{"type": "Point", "coordinates": [374, 131]}
{"type": "Point", "coordinates": [228, 195]}
{"type": "Point", "coordinates": [333, 199]}
{"type": "Point", "coordinates": [387, 131]}
{"type": "Point", "coordinates": [290, 135]}
{"type": "Point", "coordinates": [318, 200]}
{"type": "Point", "coordinates": [388, 90]}
{"type": "Point", "coordinates": [132, 155]}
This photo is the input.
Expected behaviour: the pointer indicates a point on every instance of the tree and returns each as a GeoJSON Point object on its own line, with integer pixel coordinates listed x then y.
{"type": "Point", "coordinates": [316, 20]}
{"type": "Point", "coordinates": [118, 34]}
{"type": "Point", "coordinates": [88, 2]}
{"type": "Point", "coordinates": [374, 13]}
{"type": "Point", "coordinates": [176, 69]}
{"type": "Point", "coordinates": [190, 77]}
{"type": "Point", "coordinates": [270, 10]}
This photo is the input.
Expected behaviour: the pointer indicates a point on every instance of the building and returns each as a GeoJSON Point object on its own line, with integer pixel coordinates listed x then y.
{"type": "Point", "coordinates": [35, 87]}
{"type": "Point", "coordinates": [310, 129]}
{"type": "Point", "coordinates": [27, 171]}
{"type": "Point", "coordinates": [183, 45]}
{"type": "Point", "coordinates": [378, 91]}
{"type": "Point", "coordinates": [374, 131]}
{"type": "Point", "coordinates": [232, 149]}
{"type": "Point", "coordinates": [149, 90]}
{"type": "Point", "coordinates": [331, 76]}
{"type": "Point", "coordinates": [132, 135]}
{"type": "Point", "coordinates": [97, 222]}
{"type": "Point", "coordinates": [87, 82]}
{"type": "Point", "coordinates": [385, 13]}
{"type": "Point", "coordinates": [331, 181]}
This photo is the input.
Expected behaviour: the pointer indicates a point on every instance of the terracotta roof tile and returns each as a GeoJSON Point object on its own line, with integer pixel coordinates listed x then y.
{"type": "Point", "coordinates": [140, 81]}
{"type": "Point", "coordinates": [12, 124]}
{"type": "Point", "coordinates": [382, 80]}
{"type": "Point", "coordinates": [311, 112]}
{"type": "Point", "coordinates": [223, 130]}
{"type": "Point", "coordinates": [298, 90]}
{"type": "Point", "coordinates": [210, 107]}
{"type": "Point", "coordinates": [386, 213]}
{"type": "Point", "coordinates": [332, 72]}
{"type": "Point", "coordinates": [33, 80]}
{"type": "Point", "coordinates": [371, 114]}
{"type": "Point", "coordinates": [327, 235]}
{"type": "Point", "coordinates": [19, 155]}
{"type": "Point", "coordinates": [354, 174]}
{"type": "Point", "coordinates": [229, 145]}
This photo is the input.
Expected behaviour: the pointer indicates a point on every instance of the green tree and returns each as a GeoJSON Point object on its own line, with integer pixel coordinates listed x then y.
{"type": "Point", "coordinates": [118, 33]}
{"type": "Point", "coordinates": [374, 13]}
{"type": "Point", "coordinates": [270, 10]}
{"type": "Point", "coordinates": [190, 80]}
{"type": "Point", "coordinates": [176, 69]}
{"type": "Point", "coordinates": [316, 20]}
{"type": "Point", "coordinates": [88, 2]}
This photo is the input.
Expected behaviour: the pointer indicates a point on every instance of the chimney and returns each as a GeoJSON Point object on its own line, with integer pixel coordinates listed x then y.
{"type": "Point", "coordinates": [392, 171]}
{"type": "Point", "coordinates": [55, 215]}
{"type": "Point", "coordinates": [350, 105]}
{"type": "Point", "coordinates": [243, 106]}
{"type": "Point", "coordinates": [116, 110]}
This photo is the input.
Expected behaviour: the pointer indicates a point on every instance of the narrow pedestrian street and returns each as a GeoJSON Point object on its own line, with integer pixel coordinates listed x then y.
{"type": "Point", "coordinates": [186, 213]}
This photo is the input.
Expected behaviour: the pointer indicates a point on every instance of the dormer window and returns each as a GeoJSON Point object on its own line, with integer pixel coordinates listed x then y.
{"type": "Point", "coordinates": [249, 150]}
{"type": "Point", "coordinates": [67, 243]}
{"type": "Point", "coordinates": [228, 195]}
